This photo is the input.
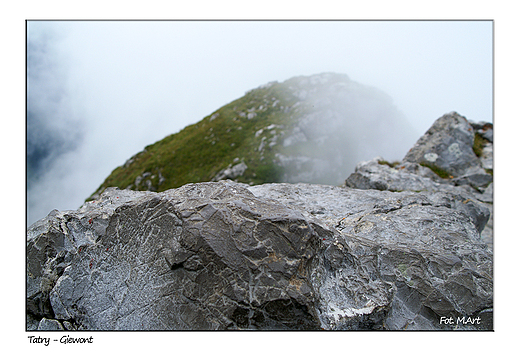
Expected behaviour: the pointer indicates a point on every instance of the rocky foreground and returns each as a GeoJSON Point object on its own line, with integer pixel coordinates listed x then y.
{"type": "Point", "coordinates": [399, 247]}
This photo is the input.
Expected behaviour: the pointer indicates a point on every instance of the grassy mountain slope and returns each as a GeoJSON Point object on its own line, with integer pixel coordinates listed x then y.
{"type": "Point", "coordinates": [279, 131]}
{"type": "Point", "coordinates": [200, 151]}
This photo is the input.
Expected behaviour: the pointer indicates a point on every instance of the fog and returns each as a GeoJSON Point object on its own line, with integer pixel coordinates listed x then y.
{"type": "Point", "coordinates": [340, 123]}
{"type": "Point", "coordinates": [98, 92]}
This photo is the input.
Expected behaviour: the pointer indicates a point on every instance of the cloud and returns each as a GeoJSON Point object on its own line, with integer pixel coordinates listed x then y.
{"type": "Point", "coordinates": [342, 123]}
{"type": "Point", "coordinates": [53, 128]}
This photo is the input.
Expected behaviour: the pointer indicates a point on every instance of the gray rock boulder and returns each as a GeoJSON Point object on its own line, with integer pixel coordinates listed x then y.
{"type": "Point", "coordinates": [206, 256]}
{"type": "Point", "coordinates": [227, 256]}
{"type": "Point", "coordinates": [54, 241]}
{"type": "Point", "coordinates": [427, 245]}
{"type": "Point", "coordinates": [231, 172]}
{"type": "Point", "coordinates": [475, 182]}
{"type": "Point", "coordinates": [375, 174]}
{"type": "Point", "coordinates": [379, 176]}
{"type": "Point", "coordinates": [447, 146]}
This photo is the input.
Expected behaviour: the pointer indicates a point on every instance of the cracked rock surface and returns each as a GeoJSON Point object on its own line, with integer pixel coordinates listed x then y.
{"type": "Point", "coordinates": [426, 245]}
{"type": "Point", "coordinates": [205, 256]}
{"type": "Point", "coordinates": [472, 179]}
{"type": "Point", "coordinates": [214, 256]}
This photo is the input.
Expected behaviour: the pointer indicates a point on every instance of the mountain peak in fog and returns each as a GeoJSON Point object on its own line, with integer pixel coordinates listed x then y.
{"type": "Point", "coordinates": [310, 129]}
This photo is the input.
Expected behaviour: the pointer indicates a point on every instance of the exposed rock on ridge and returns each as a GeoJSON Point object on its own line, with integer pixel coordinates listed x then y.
{"type": "Point", "coordinates": [470, 180]}
{"type": "Point", "coordinates": [447, 145]}
{"type": "Point", "coordinates": [225, 255]}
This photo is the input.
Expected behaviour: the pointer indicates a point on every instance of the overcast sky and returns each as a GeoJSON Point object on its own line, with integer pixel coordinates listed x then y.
{"type": "Point", "coordinates": [98, 92]}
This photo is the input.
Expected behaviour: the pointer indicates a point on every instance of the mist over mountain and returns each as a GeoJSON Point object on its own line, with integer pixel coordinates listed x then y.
{"type": "Point", "coordinates": [310, 129]}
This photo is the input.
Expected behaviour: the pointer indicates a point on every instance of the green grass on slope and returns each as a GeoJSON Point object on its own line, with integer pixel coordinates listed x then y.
{"type": "Point", "coordinates": [200, 151]}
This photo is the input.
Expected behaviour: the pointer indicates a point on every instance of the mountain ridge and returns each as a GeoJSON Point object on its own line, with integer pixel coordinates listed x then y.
{"type": "Point", "coordinates": [304, 129]}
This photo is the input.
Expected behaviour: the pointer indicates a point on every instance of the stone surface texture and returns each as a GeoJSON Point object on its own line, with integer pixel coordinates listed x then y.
{"type": "Point", "coordinates": [447, 145]}
{"type": "Point", "coordinates": [473, 182]}
{"type": "Point", "coordinates": [397, 248]}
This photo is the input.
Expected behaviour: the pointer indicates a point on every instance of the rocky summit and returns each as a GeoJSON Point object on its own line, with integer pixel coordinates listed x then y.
{"type": "Point", "coordinates": [403, 245]}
